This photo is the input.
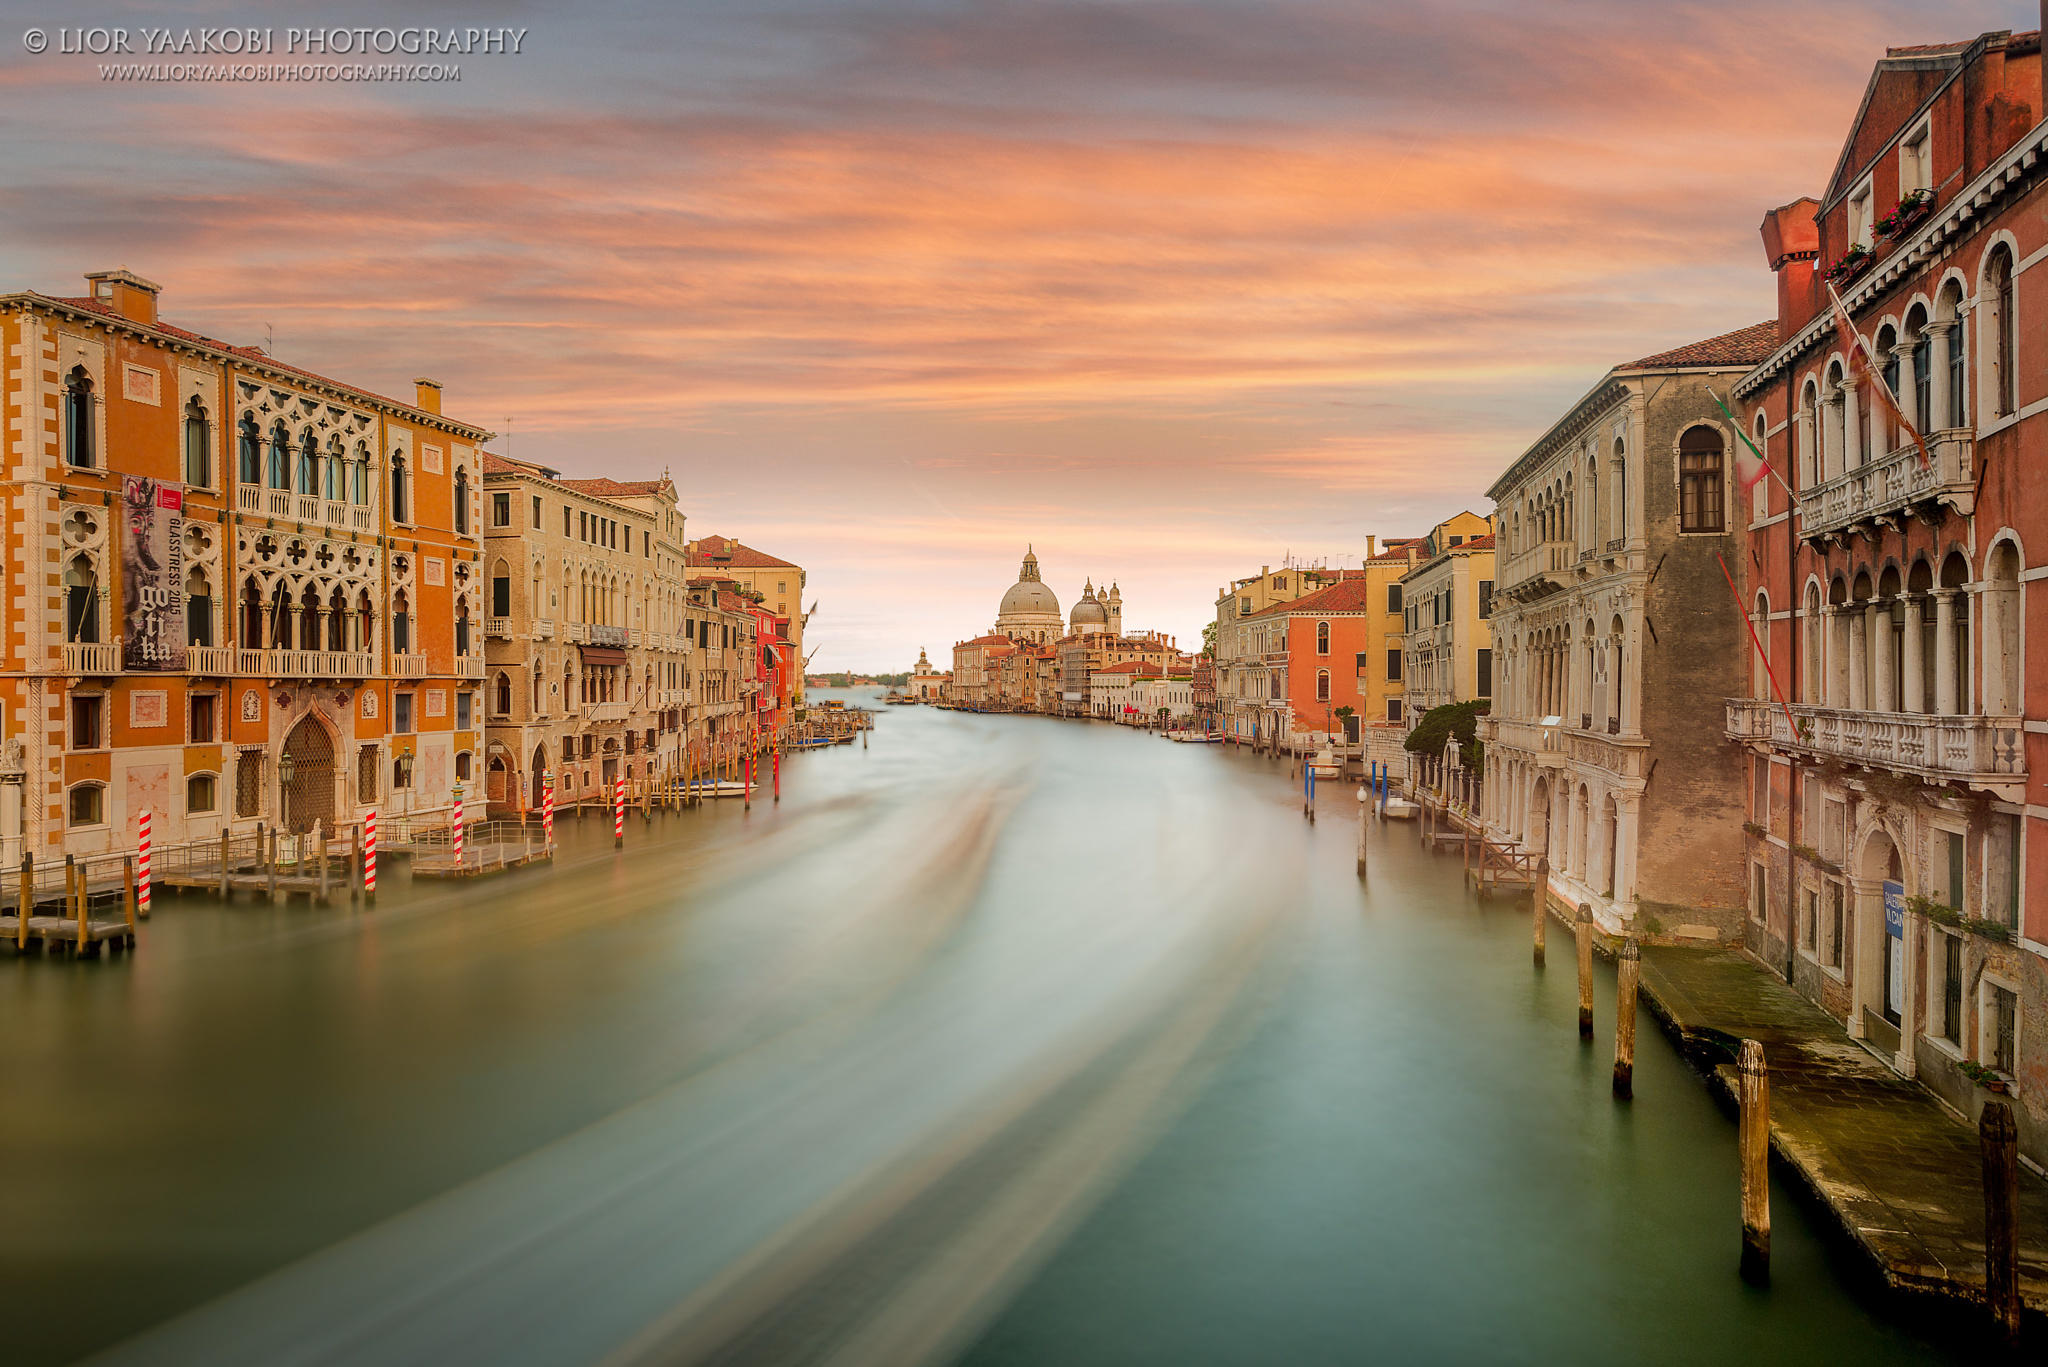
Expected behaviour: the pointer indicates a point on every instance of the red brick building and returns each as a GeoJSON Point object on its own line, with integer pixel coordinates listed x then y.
{"type": "Point", "coordinates": [1897, 859]}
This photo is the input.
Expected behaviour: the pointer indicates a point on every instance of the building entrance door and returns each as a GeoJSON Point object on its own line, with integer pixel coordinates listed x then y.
{"type": "Point", "coordinates": [307, 795]}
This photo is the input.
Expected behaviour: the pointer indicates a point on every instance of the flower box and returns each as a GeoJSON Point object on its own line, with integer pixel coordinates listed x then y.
{"type": "Point", "coordinates": [1908, 211]}
{"type": "Point", "coordinates": [1853, 263]}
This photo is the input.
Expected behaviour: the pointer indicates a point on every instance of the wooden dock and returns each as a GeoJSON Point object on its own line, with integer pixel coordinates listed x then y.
{"type": "Point", "coordinates": [487, 847]}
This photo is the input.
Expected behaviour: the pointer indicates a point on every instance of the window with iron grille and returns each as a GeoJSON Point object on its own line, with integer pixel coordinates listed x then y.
{"type": "Point", "coordinates": [249, 783]}
{"type": "Point", "coordinates": [366, 774]}
{"type": "Point", "coordinates": [2004, 1029]}
{"type": "Point", "coordinates": [1836, 915]}
{"type": "Point", "coordinates": [1951, 986]}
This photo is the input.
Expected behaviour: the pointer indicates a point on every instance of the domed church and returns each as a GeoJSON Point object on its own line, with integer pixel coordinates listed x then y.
{"type": "Point", "coordinates": [1098, 612]}
{"type": "Point", "coordinates": [1030, 611]}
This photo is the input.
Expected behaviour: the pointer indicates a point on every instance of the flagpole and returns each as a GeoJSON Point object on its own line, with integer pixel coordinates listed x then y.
{"type": "Point", "coordinates": [1762, 459]}
{"type": "Point", "coordinates": [1854, 340]}
{"type": "Point", "coordinates": [1761, 653]}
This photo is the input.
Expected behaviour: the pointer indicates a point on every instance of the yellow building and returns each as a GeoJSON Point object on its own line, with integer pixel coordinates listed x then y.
{"type": "Point", "coordinates": [780, 584]}
{"type": "Point", "coordinates": [1448, 645]}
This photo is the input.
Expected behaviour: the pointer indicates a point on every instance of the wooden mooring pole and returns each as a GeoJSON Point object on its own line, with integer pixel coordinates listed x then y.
{"type": "Point", "coordinates": [224, 887]}
{"type": "Point", "coordinates": [1582, 931]}
{"type": "Point", "coordinates": [1998, 1136]}
{"type": "Point", "coordinates": [1753, 1136]}
{"type": "Point", "coordinates": [1626, 979]}
{"type": "Point", "coordinates": [128, 891]}
{"type": "Point", "coordinates": [1364, 813]}
{"type": "Point", "coordinates": [1539, 896]}
{"type": "Point", "coordinates": [25, 901]}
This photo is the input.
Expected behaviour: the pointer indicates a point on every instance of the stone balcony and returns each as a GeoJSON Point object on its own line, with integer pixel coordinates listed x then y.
{"type": "Point", "coordinates": [543, 628]}
{"type": "Point", "coordinates": [604, 712]}
{"type": "Point", "coordinates": [298, 664]}
{"type": "Point", "coordinates": [1885, 490]}
{"type": "Point", "coordinates": [411, 666]}
{"type": "Point", "coordinates": [287, 506]}
{"type": "Point", "coordinates": [92, 657]}
{"type": "Point", "coordinates": [1538, 572]}
{"type": "Point", "coordinates": [607, 635]}
{"type": "Point", "coordinates": [1983, 752]}
{"type": "Point", "coordinates": [469, 666]}
{"type": "Point", "coordinates": [498, 627]}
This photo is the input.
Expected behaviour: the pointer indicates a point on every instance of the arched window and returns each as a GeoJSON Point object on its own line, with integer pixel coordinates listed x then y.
{"type": "Point", "coordinates": [359, 484]}
{"type": "Point", "coordinates": [2001, 333]}
{"type": "Point", "coordinates": [503, 699]}
{"type": "Point", "coordinates": [1619, 499]}
{"type": "Point", "coordinates": [87, 806]}
{"type": "Point", "coordinates": [252, 614]}
{"type": "Point", "coordinates": [202, 794]}
{"type": "Point", "coordinates": [250, 446]}
{"type": "Point", "coordinates": [501, 590]}
{"type": "Point", "coordinates": [462, 766]}
{"type": "Point", "coordinates": [198, 462]}
{"type": "Point", "coordinates": [399, 509]}
{"type": "Point", "coordinates": [280, 471]}
{"type": "Point", "coordinates": [334, 475]}
{"type": "Point", "coordinates": [1808, 437]}
{"type": "Point", "coordinates": [1701, 487]}
{"type": "Point", "coordinates": [78, 443]}
{"type": "Point", "coordinates": [1958, 358]}
{"type": "Point", "coordinates": [1322, 685]}
{"type": "Point", "coordinates": [1322, 638]}
{"type": "Point", "coordinates": [309, 465]}
{"type": "Point", "coordinates": [462, 501]}
{"type": "Point", "coordinates": [1759, 491]}
{"type": "Point", "coordinates": [461, 627]}
{"type": "Point", "coordinates": [1810, 628]}
{"type": "Point", "coordinates": [198, 609]}
{"type": "Point", "coordinates": [1920, 352]}
{"type": "Point", "coordinates": [2002, 663]}
{"type": "Point", "coordinates": [1882, 441]}
{"type": "Point", "coordinates": [81, 601]}
{"type": "Point", "coordinates": [401, 624]}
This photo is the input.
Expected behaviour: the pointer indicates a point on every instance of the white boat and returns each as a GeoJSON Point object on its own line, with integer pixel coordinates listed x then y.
{"type": "Point", "coordinates": [1401, 809]}
{"type": "Point", "coordinates": [1326, 764]}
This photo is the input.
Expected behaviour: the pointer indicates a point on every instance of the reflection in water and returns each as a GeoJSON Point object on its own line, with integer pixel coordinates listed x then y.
{"type": "Point", "coordinates": [1011, 1038]}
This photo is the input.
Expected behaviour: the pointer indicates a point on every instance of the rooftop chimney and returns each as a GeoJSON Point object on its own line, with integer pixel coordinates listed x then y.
{"type": "Point", "coordinates": [126, 293]}
{"type": "Point", "coordinates": [1792, 246]}
{"type": "Point", "coordinates": [426, 395]}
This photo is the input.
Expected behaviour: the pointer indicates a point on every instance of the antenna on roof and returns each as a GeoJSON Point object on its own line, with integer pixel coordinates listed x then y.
{"type": "Point", "coordinates": [508, 434]}
{"type": "Point", "coordinates": [269, 345]}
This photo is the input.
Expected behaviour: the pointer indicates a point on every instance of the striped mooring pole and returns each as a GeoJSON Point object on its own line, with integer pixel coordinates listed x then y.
{"type": "Point", "coordinates": [619, 813]}
{"type": "Point", "coordinates": [370, 853]}
{"type": "Point", "coordinates": [457, 834]}
{"type": "Point", "coordinates": [547, 808]}
{"type": "Point", "coordinates": [142, 865]}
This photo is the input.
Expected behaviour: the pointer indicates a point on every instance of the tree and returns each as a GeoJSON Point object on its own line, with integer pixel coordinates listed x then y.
{"type": "Point", "coordinates": [1440, 725]}
{"type": "Point", "coordinates": [1209, 639]}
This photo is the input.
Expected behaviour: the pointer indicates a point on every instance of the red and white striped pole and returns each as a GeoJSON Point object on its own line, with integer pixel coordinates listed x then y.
{"type": "Point", "coordinates": [370, 853]}
{"type": "Point", "coordinates": [619, 812]}
{"type": "Point", "coordinates": [458, 828]}
{"type": "Point", "coordinates": [142, 865]}
{"type": "Point", "coordinates": [547, 809]}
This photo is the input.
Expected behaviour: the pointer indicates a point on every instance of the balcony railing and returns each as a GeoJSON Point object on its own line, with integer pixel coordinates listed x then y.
{"type": "Point", "coordinates": [211, 661]}
{"type": "Point", "coordinates": [543, 628]}
{"type": "Point", "coordinates": [1890, 485]}
{"type": "Point", "coordinates": [296, 507]}
{"type": "Point", "coordinates": [410, 666]}
{"type": "Point", "coordinates": [1538, 571]}
{"type": "Point", "coordinates": [469, 666]}
{"type": "Point", "coordinates": [92, 657]}
{"type": "Point", "coordinates": [576, 633]}
{"type": "Point", "coordinates": [1985, 752]}
{"type": "Point", "coordinates": [604, 711]}
{"type": "Point", "coordinates": [500, 627]}
{"type": "Point", "coordinates": [304, 664]}
{"type": "Point", "coordinates": [608, 635]}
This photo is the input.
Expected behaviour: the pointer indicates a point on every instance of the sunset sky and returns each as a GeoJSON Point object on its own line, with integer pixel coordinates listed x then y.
{"type": "Point", "coordinates": [1168, 290]}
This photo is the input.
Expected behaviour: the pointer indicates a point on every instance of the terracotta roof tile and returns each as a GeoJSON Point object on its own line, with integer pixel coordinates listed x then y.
{"type": "Point", "coordinates": [612, 488]}
{"type": "Point", "coordinates": [1346, 595]}
{"type": "Point", "coordinates": [1743, 347]}
{"type": "Point", "coordinates": [723, 550]}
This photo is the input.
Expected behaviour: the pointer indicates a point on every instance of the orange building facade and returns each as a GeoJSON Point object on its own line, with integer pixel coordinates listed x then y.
{"type": "Point", "coordinates": [240, 592]}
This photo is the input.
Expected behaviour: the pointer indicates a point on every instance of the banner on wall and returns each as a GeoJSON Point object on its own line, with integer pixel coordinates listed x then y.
{"type": "Point", "coordinates": [152, 574]}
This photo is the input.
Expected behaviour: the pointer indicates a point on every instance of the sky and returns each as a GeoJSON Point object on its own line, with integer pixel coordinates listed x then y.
{"type": "Point", "coordinates": [1167, 290]}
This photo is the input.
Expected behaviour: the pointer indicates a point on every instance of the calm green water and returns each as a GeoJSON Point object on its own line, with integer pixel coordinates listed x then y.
{"type": "Point", "coordinates": [1006, 1039]}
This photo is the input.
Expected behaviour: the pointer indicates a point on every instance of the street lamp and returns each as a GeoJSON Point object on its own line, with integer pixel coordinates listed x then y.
{"type": "Point", "coordinates": [285, 769]}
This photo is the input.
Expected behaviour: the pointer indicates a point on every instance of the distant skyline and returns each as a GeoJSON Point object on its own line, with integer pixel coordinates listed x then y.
{"type": "Point", "coordinates": [894, 287]}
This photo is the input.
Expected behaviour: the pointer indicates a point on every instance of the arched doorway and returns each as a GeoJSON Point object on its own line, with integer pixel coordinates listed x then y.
{"type": "Point", "coordinates": [1610, 839]}
{"type": "Point", "coordinates": [535, 779]}
{"type": "Point", "coordinates": [498, 779]}
{"type": "Point", "coordinates": [306, 778]}
{"type": "Point", "coordinates": [1538, 841]}
{"type": "Point", "coordinates": [1881, 976]}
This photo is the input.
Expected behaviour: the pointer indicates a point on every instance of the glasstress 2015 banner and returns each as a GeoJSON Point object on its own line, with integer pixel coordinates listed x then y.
{"type": "Point", "coordinates": [152, 574]}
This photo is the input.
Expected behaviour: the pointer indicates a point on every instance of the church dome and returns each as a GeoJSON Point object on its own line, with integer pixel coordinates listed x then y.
{"type": "Point", "coordinates": [1088, 612]}
{"type": "Point", "coordinates": [1029, 609]}
{"type": "Point", "coordinates": [1029, 597]}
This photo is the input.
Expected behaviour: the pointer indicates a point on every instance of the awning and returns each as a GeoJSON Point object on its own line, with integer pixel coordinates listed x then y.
{"type": "Point", "coordinates": [602, 655]}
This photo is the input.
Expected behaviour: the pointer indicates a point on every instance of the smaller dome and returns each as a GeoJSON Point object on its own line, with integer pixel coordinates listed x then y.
{"type": "Point", "coordinates": [1088, 612]}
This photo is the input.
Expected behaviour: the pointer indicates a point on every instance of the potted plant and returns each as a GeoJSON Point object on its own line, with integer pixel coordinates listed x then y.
{"type": "Point", "coordinates": [1910, 209]}
{"type": "Point", "coordinates": [1852, 264]}
{"type": "Point", "coordinates": [1990, 1079]}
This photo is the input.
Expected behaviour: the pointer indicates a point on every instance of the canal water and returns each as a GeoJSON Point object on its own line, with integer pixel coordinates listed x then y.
{"type": "Point", "coordinates": [1004, 1040]}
